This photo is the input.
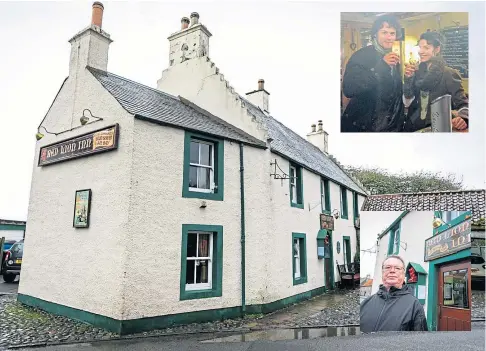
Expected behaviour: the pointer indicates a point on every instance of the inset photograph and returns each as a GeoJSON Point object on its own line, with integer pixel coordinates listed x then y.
{"type": "Point", "coordinates": [404, 72]}
{"type": "Point", "coordinates": [417, 271]}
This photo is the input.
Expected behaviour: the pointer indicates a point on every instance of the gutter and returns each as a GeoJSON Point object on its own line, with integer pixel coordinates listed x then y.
{"type": "Point", "coordinates": [242, 240]}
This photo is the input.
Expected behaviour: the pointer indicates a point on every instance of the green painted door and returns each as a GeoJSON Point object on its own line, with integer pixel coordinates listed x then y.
{"type": "Point", "coordinates": [347, 249]}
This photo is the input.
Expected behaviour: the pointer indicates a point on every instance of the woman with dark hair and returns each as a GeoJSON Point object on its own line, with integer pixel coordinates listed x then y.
{"type": "Point", "coordinates": [372, 81]}
{"type": "Point", "coordinates": [429, 81]}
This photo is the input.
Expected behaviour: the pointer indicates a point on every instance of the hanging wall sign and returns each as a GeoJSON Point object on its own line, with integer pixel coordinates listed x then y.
{"type": "Point", "coordinates": [82, 207]}
{"type": "Point", "coordinates": [101, 140]}
{"type": "Point", "coordinates": [448, 242]}
{"type": "Point", "coordinates": [327, 221]}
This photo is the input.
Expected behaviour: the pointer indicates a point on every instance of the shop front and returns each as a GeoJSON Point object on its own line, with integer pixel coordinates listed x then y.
{"type": "Point", "coordinates": [449, 276]}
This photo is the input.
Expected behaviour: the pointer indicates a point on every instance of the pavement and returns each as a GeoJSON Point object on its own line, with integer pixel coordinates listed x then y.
{"type": "Point", "coordinates": [404, 341]}
{"type": "Point", "coordinates": [9, 288]}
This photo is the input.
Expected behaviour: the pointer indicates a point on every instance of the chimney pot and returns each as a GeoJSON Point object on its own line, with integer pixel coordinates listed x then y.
{"type": "Point", "coordinates": [194, 18]}
{"type": "Point", "coordinates": [261, 84]}
{"type": "Point", "coordinates": [184, 23]}
{"type": "Point", "coordinates": [313, 126]}
{"type": "Point", "coordinates": [97, 14]}
{"type": "Point", "coordinates": [319, 123]}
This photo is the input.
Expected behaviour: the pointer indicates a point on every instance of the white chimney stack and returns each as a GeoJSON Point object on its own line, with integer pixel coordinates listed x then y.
{"type": "Point", "coordinates": [90, 46]}
{"type": "Point", "coordinates": [319, 138]}
{"type": "Point", "coordinates": [259, 97]}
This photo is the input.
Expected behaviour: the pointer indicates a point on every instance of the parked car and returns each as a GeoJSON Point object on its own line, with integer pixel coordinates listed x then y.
{"type": "Point", "coordinates": [6, 246]}
{"type": "Point", "coordinates": [13, 262]}
{"type": "Point", "coordinates": [478, 266]}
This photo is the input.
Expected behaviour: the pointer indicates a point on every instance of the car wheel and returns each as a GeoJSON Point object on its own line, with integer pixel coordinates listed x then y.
{"type": "Point", "coordinates": [9, 277]}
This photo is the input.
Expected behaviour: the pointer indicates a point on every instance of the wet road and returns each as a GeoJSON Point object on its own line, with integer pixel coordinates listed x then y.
{"type": "Point", "coordinates": [406, 341]}
{"type": "Point", "coordinates": [9, 288]}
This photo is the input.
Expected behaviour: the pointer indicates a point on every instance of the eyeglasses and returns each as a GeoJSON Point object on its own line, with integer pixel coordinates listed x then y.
{"type": "Point", "coordinates": [389, 268]}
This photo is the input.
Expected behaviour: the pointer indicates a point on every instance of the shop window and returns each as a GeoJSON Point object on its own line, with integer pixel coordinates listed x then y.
{"type": "Point", "coordinates": [296, 186]}
{"type": "Point", "coordinates": [325, 196]}
{"type": "Point", "coordinates": [201, 261]}
{"type": "Point", "coordinates": [344, 203]}
{"type": "Point", "coordinates": [203, 167]}
{"type": "Point", "coordinates": [455, 292]}
{"type": "Point", "coordinates": [299, 258]}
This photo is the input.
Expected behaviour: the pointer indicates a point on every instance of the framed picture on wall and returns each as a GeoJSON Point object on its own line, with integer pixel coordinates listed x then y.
{"type": "Point", "coordinates": [82, 207]}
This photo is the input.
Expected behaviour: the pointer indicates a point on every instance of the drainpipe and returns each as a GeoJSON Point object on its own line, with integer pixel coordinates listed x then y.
{"type": "Point", "coordinates": [242, 217]}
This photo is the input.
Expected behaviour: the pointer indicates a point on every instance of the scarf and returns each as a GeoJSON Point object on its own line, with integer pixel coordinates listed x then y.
{"type": "Point", "coordinates": [382, 51]}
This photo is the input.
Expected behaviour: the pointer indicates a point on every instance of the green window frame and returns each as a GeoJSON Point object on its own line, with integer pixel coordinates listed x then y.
{"type": "Point", "coordinates": [394, 241]}
{"type": "Point", "coordinates": [344, 203]}
{"type": "Point", "coordinates": [217, 168]}
{"type": "Point", "coordinates": [325, 196]}
{"type": "Point", "coordinates": [355, 205]}
{"type": "Point", "coordinates": [216, 288]}
{"type": "Point", "coordinates": [296, 181]}
{"type": "Point", "coordinates": [301, 247]}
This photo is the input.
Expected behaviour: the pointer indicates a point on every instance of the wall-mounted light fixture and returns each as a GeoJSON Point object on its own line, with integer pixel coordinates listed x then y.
{"type": "Point", "coordinates": [335, 213]}
{"type": "Point", "coordinates": [39, 135]}
{"type": "Point", "coordinates": [437, 222]}
{"type": "Point", "coordinates": [84, 119]}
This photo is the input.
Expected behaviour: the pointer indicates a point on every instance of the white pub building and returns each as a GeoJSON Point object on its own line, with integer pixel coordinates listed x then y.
{"type": "Point", "coordinates": [182, 203]}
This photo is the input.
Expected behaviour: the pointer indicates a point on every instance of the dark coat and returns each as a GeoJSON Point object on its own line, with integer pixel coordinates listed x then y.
{"type": "Point", "coordinates": [439, 80]}
{"type": "Point", "coordinates": [393, 310]}
{"type": "Point", "coordinates": [376, 103]}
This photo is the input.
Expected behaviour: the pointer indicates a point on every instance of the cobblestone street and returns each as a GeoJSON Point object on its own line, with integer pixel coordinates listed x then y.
{"type": "Point", "coordinates": [25, 325]}
{"type": "Point", "coordinates": [478, 298]}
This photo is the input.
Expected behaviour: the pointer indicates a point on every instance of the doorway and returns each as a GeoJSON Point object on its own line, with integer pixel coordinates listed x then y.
{"type": "Point", "coordinates": [454, 310]}
{"type": "Point", "coordinates": [347, 250]}
{"type": "Point", "coordinates": [328, 265]}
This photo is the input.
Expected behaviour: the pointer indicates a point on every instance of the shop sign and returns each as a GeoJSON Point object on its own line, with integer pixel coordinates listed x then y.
{"type": "Point", "coordinates": [101, 140]}
{"type": "Point", "coordinates": [448, 242]}
{"type": "Point", "coordinates": [327, 221]}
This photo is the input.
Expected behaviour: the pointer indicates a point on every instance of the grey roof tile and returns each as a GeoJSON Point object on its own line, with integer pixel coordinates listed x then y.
{"type": "Point", "coordinates": [156, 106]}
{"type": "Point", "coordinates": [460, 200]}
{"type": "Point", "coordinates": [290, 144]}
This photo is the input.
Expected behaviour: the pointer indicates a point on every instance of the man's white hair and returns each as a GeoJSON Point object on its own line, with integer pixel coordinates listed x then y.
{"type": "Point", "coordinates": [393, 256]}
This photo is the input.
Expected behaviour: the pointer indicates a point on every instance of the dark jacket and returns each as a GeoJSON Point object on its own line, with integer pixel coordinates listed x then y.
{"type": "Point", "coordinates": [438, 80]}
{"type": "Point", "coordinates": [393, 310]}
{"type": "Point", "coordinates": [376, 95]}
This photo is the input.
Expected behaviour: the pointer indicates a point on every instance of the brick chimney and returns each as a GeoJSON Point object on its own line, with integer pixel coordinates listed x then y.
{"type": "Point", "coordinates": [259, 97]}
{"type": "Point", "coordinates": [190, 42]}
{"type": "Point", "coordinates": [89, 47]}
{"type": "Point", "coordinates": [319, 138]}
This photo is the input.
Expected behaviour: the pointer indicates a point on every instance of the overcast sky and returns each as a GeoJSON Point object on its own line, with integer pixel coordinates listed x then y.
{"type": "Point", "coordinates": [295, 47]}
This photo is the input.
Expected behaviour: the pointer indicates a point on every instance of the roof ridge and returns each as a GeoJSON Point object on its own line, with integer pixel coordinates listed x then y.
{"type": "Point", "coordinates": [432, 192]}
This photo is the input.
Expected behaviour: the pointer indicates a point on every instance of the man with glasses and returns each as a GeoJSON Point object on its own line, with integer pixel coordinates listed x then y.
{"type": "Point", "coordinates": [393, 307]}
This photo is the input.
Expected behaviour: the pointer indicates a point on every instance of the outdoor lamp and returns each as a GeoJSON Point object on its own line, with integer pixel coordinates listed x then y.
{"type": "Point", "coordinates": [437, 222]}
{"type": "Point", "coordinates": [335, 213]}
{"type": "Point", "coordinates": [84, 119]}
{"type": "Point", "coordinates": [39, 136]}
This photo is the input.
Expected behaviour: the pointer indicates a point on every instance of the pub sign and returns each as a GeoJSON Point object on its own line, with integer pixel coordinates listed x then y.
{"type": "Point", "coordinates": [448, 242]}
{"type": "Point", "coordinates": [91, 143]}
{"type": "Point", "coordinates": [327, 221]}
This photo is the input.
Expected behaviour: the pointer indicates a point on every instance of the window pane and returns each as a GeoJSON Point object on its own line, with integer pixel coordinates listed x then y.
{"type": "Point", "coordinates": [205, 154]}
{"type": "Point", "coordinates": [194, 152]}
{"type": "Point", "coordinates": [193, 177]}
{"type": "Point", "coordinates": [455, 289]}
{"type": "Point", "coordinates": [203, 178]}
{"type": "Point", "coordinates": [292, 194]}
{"type": "Point", "coordinates": [203, 245]}
{"type": "Point", "coordinates": [190, 272]}
{"type": "Point", "coordinates": [191, 245]}
{"type": "Point", "coordinates": [202, 271]}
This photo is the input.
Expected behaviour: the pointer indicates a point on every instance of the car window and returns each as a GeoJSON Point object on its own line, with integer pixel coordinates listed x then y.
{"type": "Point", "coordinates": [17, 248]}
{"type": "Point", "coordinates": [477, 260]}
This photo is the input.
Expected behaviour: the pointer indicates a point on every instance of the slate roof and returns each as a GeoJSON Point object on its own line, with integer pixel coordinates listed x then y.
{"type": "Point", "coordinates": [159, 107]}
{"type": "Point", "coordinates": [162, 108]}
{"type": "Point", "coordinates": [460, 200]}
{"type": "Point", "coordinates": [288, 143]}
